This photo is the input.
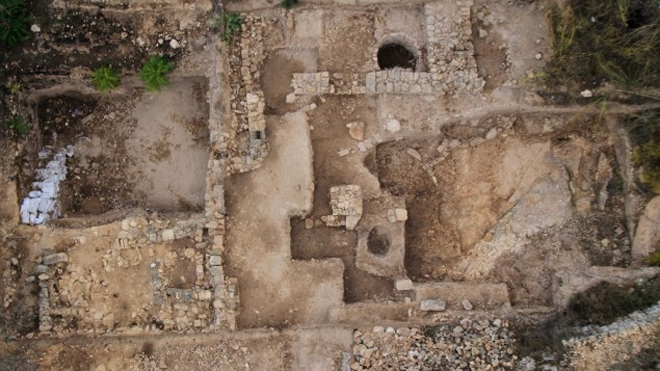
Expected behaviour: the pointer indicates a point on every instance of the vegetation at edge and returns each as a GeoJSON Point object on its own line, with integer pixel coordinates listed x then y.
{"type": "Point", "coordinates": [596, 41]}
{"type": "Point", "coordinates": [644, 129]}
{"type": "Point", "coordinates": [17, 125]}
{"type": "Point", "coordinates": [232, 25]}
{"type": "Point", "coordinates": [14, 22]}
{"type": "Point", "coordinates": [288, 4]}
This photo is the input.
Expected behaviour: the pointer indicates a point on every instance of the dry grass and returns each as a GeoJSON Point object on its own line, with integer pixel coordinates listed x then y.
{"type": "Point", "coordinates": [597, 41]}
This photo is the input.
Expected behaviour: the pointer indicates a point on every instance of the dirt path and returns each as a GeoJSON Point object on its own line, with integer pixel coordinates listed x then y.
{"type": "Point", "coordinates": [259, 236]}
{"type": "Point", "coordinates": [295, 349]}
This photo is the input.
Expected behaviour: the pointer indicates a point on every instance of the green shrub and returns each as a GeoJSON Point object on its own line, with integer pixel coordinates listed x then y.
{"type": "Point", "coordinates": [17, 125]}
{"type": "Point", "coordinates": [233, 22]}
{"type": "Point", "coordinates": [288, 4]}
{"type": "Point", "coordinates": [105, 78]}
{"type": "Point", "coordinates": [614, 40]}
{"type": "Point", "coordinates": [14, 20]}
{"type": "Point", "coordinates": [13, 87]}
{"type": "Point", "coordinates": [154, 73]}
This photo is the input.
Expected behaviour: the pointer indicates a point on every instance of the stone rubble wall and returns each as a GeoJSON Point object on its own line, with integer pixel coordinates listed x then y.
{"type": "Point", "coordinates": [603, 346]}
{"type": "Point", "coordinates": [346, 205]}
{"type": "Point", "coordinates": [396, 81]}
{"type": "Point", "coordinates": [642, 320]}
{"type": "Point", "coordinates": [224, 293]}
{"type": "Point", "coordinates": [450, 51]}
{"type": "Point", "coordinates": [326, 83]}
{"type": "Point", "coordinates": [452, 67]}
{"type": "Point", "coordinates": [245, 135]}
{"type": "Point", "coordinates": [406, 82]}
{"type": "Point", "coordinates": [77, 299]}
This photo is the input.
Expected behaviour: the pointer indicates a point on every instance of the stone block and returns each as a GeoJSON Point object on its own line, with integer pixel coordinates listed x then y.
{"type": "Point", "coordinates": [167, 235]}
{"type": "Point", "coordinates": [401, 214]}
{"type": "Point", "coordinates": [403, 284]}
{"type": "Point", "coordinates": [432, 305]}
{"type": "Point", "coordinates": [55, 259]}
{"type": "Point", "coordinates": [215, 260]}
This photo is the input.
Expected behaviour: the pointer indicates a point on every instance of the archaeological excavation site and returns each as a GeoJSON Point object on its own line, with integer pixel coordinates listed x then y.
{"type": "Point", "coordinates": [329, 185]}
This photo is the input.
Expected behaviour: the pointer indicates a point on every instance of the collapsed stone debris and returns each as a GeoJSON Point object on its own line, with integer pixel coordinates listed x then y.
{"type": "Point", "coordinates": [41, 204]}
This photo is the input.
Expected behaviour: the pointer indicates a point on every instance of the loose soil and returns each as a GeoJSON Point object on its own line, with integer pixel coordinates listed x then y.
{"type": "Point", "coordinates": [135, 150]}
{"type": "Point", "coordinates": [325, 242]}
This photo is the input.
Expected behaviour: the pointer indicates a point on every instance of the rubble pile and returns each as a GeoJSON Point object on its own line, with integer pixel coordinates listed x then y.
{"type": "Point", "coordinates": [41, 204]}
{"type": "Point", "coordinates": [467, 345]}
{"type": "Point", "coordinates": [346, 204]}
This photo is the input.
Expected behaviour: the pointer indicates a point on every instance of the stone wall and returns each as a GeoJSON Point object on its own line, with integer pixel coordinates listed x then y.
{"type": "Point", "coordinates": [641, 320]}
{"type": "Point", "coordinates": [450, 51]}
{"type": "Point", "coordinates": [245, 133]}
{"type": "Point", "coordinates": [452, 68]}
{"type": "Point", "coordinates": [616, 343]}
{"type": "Point", "coordinates": [78, 297]}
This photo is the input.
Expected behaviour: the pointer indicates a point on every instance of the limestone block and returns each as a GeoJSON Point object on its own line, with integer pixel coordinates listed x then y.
{"type": "Point", "coordinates": [432, 305]}
{"type": "Point", "coordinates": [648, 230]}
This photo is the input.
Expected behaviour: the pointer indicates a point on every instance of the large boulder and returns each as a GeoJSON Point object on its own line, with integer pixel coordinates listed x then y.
{"type": "Point", "coordinates": [648, 230]}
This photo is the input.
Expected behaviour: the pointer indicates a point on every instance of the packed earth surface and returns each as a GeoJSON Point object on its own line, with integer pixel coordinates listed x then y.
{"type": "Point", "coordinates": [343, 185]}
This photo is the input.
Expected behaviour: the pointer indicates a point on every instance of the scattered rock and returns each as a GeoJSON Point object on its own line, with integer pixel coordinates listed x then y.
{"type": "Point", "coordinates": [539, 56]}
{"type": "Point", "coordinates": [174, 44]}
{"type": "Point", "coordinates": [393, 125]}
{"type": "Point", "coordinates": [404, 284]}
{"type": "Point", "coordinates": [356, 130]}
{"type": "Point", "coordinates": [189, 253]}
{"type": "Point", "coordinates": [587, 93]}
{"type": "Point", "coordinates": [55, 259]}
{"type": "Point", "coordinates": [412, 152]}
{"type": "Point", "coordinates": [443, 146]}
{"type": "Point", "coordinates": [290, 98]}
{"type": "Point", "coordinates": [378, 329]}
{"type": "Point", "coordinates": [35, 28]}
{"type": "Point", "coordinates": [492, 133]}
{"type": "Point", "coordinates": [401, 214]}
{"type": "Point", "coordinates": [482, 33]}
{"type": "Point", "coordinates": [467, 305]}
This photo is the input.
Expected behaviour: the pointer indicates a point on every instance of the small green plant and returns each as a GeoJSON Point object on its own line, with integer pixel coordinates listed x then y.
{"type": "Point", "coordinates": [154, 73]}
{"type": "Point", "coordinates": [14, 20]}
{"type": "Point", "coordinates": [105, 78]}
{"type": "Point", "coordinates": [13, 87]}
{"type": "Point", "coordinates": [644, 129]}
{"type": "Point", "coordinates": [232, 22]}
{"type": "Point", "coordinates": [17, 125]}
{"type": "Point", "coordinates": [288, 4]}
{"type": "Point", "coordinates": [654, 259]}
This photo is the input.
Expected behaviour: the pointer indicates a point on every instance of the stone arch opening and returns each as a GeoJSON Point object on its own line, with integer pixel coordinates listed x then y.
{"type": "Point", "coordinates": [396, 55]}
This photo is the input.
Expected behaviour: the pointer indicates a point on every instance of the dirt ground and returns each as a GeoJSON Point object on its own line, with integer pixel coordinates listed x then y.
{"type": "Point", "coordinates": [266, 198]}
{"type": "Point", "coordinates": [127, 148]}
